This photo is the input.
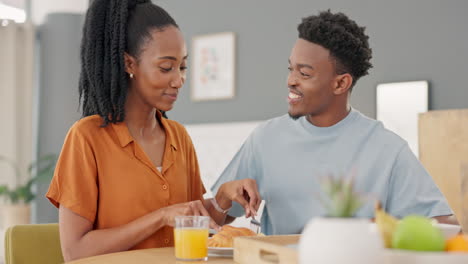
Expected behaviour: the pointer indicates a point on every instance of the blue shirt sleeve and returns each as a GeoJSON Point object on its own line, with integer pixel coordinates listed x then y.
{"type": "Point", "coordinates": [412, 190]}
{"type": "Point", "coordinates": [244, 165]}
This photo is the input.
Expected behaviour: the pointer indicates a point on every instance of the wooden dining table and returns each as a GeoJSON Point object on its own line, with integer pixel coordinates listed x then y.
{"type": "Point", "coordinates": [143, 256]}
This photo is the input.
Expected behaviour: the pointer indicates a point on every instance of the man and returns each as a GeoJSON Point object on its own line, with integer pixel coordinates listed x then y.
{"type": "Point", "coordinates": [286, 157]}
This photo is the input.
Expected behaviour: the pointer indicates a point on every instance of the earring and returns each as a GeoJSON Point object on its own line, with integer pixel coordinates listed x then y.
{"type": "Point", "coordinates": [131, 75]}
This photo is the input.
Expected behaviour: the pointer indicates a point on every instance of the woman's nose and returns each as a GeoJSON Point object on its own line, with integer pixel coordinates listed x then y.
{"type": "Point", "coordinates": [178, 81]}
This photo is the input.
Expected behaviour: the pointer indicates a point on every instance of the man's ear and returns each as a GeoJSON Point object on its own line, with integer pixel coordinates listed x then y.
{"type": "Point", "coordinates": [343, 83]}
{"type": "Point", "coordinates": [130, 63]}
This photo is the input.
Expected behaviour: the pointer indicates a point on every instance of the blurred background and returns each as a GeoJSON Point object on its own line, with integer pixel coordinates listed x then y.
{"type": "Point", "coordinates": [39, 68]}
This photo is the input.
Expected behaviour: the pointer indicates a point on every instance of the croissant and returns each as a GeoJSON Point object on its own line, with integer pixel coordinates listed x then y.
{"type": "Point", "coordinates": [225, 237]}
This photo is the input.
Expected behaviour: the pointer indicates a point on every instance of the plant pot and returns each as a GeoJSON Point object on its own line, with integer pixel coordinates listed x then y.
{"type": "Point", "coordinates": [340, 240]}
{"type": "Point", "coordinates": [16, 214]}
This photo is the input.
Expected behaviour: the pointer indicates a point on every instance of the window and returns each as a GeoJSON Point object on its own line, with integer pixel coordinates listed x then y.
{"type": "Point", "coordinates": [8, 12]}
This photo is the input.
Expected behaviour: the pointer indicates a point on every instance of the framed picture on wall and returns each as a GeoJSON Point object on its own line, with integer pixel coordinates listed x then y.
{"type": "Point", "coordinates": [213, 67]}
{"type": "Point", "coordinates": [398, 107]}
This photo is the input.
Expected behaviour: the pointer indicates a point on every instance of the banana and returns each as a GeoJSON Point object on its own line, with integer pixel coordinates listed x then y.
{"type": "Point", "coordinates": [386, 223]}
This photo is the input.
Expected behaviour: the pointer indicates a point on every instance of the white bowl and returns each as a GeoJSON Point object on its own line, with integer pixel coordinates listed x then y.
{"type": "Point", "coordinates": [448, 230]}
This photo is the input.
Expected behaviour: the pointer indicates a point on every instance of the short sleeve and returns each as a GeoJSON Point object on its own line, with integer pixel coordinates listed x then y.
{"type": "Point", "coordinates": [244, 165]}
{"type": "Point", "coordinates": [74, 184]}
{"type": "Point", "coordinates": [412, 190]}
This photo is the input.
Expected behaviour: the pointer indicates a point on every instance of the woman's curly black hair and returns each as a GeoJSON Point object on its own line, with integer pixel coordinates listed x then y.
{"type": "Point", "coordinates": [346, 41]}
{"type": "Point", "coordinates": [111, 28]}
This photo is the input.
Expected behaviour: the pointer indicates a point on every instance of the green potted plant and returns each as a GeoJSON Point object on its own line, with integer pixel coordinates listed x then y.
{"type": "Point", "coordinates": [340, 197]}
{"type": "Point", "coordinates": [340, 236]}
{"type": "Point", "coordinates": [17, 199]}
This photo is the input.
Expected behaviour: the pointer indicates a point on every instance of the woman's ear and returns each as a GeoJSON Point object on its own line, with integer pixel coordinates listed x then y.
{"type": "Point", "coordinates": [343, 83]}
{"type": "Point", "coordinates": [130, 63]}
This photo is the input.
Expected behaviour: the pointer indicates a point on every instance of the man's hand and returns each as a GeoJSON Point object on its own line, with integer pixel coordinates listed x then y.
{"type": "Point", "coordinates": [447, 219]}
{"type": "Point", "coordinates": [245, 192]}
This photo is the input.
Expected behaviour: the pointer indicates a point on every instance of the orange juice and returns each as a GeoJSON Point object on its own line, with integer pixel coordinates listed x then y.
{"type": "Point", "coordinates": [191, 243]}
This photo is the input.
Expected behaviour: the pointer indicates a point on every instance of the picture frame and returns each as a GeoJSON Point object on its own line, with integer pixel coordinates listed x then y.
{"type": "Point", "coordinates": [213, 67]}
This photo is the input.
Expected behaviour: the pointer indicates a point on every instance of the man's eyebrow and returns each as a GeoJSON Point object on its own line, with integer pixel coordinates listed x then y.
{"type": "Point", "coordinates": [302, 65]}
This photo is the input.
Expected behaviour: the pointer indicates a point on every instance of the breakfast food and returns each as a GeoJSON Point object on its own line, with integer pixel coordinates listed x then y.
{"type": "Point", "coordinates": [225, 237]}
{"type": "Point", "coordinates": [458, 243]}
{"type": "Point", "coordinates": [416, 232]}
{"type": "Point", "coordinates": [386, 223]}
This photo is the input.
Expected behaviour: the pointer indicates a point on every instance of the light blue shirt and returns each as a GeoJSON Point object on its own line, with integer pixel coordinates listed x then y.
{"type": "Point", "coordinates": [289, 158]}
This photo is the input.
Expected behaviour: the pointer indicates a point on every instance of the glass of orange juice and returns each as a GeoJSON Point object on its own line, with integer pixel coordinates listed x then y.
{"type": "Point", "coordinates": [191, 237]}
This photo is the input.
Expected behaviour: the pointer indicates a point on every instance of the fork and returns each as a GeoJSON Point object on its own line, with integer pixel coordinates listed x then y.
{"type": "Point", "coordinates": [255, 225]}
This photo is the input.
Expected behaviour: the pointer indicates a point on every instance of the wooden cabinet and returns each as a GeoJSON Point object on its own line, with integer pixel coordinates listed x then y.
{"type": "Point", "coordinates": [443, 150]}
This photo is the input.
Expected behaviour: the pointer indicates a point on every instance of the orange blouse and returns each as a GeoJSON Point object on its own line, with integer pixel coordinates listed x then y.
{"type": "Point", "coordinates": [104, 175]}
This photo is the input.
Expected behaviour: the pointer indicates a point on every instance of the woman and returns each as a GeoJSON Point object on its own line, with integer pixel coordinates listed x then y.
{"type": "Point", "coordinates": [125, 171]}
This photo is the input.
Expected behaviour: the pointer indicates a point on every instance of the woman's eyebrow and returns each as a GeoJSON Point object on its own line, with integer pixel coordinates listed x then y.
{"type": "Point", "coordinates": [172, 58]}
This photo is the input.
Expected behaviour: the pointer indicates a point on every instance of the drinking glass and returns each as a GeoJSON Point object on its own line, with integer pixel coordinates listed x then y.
{"type": "Point", "coordinates": [191, 237]}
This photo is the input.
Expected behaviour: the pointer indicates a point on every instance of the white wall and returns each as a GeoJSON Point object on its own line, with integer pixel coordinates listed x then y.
{"type": "Point", "coordinates": [216, 144]}
{"type": "Point", "coordinates": [40, 8]}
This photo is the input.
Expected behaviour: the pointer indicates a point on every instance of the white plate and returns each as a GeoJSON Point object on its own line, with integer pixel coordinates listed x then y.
{"type": "Point", "coordinates": [220, 252]}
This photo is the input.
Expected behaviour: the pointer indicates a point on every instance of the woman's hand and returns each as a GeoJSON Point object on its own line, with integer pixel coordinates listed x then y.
{"type": "Point", "coordinates": [190, 208]}
{"type": "Point", "coordinates": [245, 192]}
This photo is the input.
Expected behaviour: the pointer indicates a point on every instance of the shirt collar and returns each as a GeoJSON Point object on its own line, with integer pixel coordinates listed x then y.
{"type": "Point", "coordinates": [123, 134]}
{"type": "Point", "coordinates": [126, 138]}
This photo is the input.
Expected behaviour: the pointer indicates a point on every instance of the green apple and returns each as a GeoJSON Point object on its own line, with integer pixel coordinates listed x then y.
{"type": "Point", "coordinates": [417, 233]}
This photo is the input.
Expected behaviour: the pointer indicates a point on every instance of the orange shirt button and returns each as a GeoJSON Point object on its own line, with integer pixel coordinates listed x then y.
{"type": "Point", "coordinates": [164, 187]}
{"type": "Point", "coordinates": [166, 241]}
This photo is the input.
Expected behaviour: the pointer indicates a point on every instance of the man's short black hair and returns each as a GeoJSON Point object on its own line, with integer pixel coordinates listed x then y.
{"type": "Point", "coordinates": [346, 41]}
